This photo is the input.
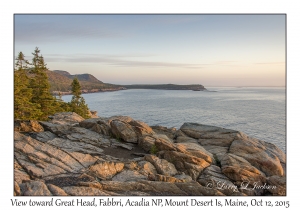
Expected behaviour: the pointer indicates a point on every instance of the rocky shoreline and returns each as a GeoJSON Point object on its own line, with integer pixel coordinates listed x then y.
{"type": "Point", "coordinates": [120, 156]}
{"type": "Point", "coordinates": [86, 91]}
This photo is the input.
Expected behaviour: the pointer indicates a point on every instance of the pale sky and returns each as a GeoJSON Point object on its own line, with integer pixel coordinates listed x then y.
{"type": "Point", "coordinates": [212, 50]}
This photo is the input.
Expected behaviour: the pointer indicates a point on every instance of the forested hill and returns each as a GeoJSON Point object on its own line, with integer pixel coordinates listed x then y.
{"type": "Point", "coordinates": [80, 77]}
{"type": "Point", "coordinates": [61, 81]}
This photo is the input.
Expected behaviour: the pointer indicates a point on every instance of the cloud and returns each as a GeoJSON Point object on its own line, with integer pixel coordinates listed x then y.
{"type": "Point", "coordinates": [127, 60]}
{"type": "Point", "coordinates": [58, 28]}
{"type": "Point", "coordinates": [118, 60]}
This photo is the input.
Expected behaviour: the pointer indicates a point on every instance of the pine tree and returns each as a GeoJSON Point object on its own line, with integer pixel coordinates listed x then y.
{"type": "Point", "coordinates": [62, 106]}
{"type": "Point", "coordinates": [76, 88]}
{"type": "Point", "coordinates": [41, 87]}
{"type": "Point", "coordinates": [77, 103]}
{"type": "Point", "coordinates": [32, 97]}
{"type": "Point", "coordinates": [23, 106]}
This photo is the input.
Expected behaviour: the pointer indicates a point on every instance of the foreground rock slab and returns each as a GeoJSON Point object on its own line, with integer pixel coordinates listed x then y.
{"type": "Point", "coordinates": [120, 156]}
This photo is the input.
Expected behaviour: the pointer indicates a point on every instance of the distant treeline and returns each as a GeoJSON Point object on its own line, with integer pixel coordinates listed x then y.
{"type": "Point", "coordinates": [166, 87]}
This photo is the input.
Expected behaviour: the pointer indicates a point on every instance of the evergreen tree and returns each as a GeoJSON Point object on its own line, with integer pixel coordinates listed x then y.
{"type": "Point", "coordinates": [77, 103]}
{"type": "Point", "coordinates": [41, 87]}
{"type": "Point", "coordinates": [76, 88]}
{"type": "Point", "coordinates": [63, 106]}
{"type": "Point", "coordinates": [32, 97]}
{"type": "Point", "coordinates": [23, 107]}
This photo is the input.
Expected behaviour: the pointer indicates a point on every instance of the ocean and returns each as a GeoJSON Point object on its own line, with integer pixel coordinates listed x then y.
{"type": "Point", "coordinates": [259, 112]}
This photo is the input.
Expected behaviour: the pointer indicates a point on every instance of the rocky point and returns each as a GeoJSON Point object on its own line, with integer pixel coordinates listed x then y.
{"type": "Point", "coordinates": [120, 156]}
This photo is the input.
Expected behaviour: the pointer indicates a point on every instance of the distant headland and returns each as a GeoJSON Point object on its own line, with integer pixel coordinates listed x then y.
{"type": "Point", "coordinates": [195, 87]}
{"type": "Point", "coordinates": [60, 82]}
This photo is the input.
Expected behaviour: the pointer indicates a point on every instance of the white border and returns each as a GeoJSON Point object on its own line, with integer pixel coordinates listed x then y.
{"type": "Point", "coordinates": [8, 8]}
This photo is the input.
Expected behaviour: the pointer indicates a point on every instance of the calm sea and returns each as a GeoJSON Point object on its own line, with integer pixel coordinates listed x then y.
{"type": "Point", "coordinates": [258, 112]}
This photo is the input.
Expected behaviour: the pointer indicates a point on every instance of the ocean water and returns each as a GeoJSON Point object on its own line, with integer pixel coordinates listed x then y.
{"type": "Point", "coordinates": [258, 112]}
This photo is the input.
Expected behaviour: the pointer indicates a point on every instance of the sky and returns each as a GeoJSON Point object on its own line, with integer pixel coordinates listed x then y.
{"type": "Point", "coordinates": [212, 50]}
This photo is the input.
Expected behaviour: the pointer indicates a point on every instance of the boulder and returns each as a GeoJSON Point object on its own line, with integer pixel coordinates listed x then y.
{"type": "Point", "coordinates": [127, 129]}
{"type": "Point", "coordinates": [195, 150]}
{"type": "Point", "coordinates": [273, 149]}
{"type": "Point", "coordinates": [147, 143]}
{"type": "Point", "coordinates": [169, 132]}
{"type": "Point", "coordinates": [217, 151]}
{"type": "Point", "coordinates": [264, 157]}
{"type": "Point", "coordinates": [164, 145]}
{"type": "Point", "coordinates": [125, 119]}
{"type": "Point", "coordinates": [141, 128]}
{"type": "Point", "coordinates": [63, 118]}
{"type": "Point", "coordinates": [98, 125]}
{"type": "Point", "coordinates": [241, 171]}
{"type": "Point", "coordinates": [106, 170]}
{"type": "Point", "coordinates": [58, 129]}
{"type": "Point", "coordinates": [192, 149]}
{"type": "Point", "coordinates": [209, 135]}
{"type": "Point", "coordinates": [146, 168]}
{"type": "Point", "coordinates": [124, 131]}
{"type": "Point", "coordinates": [180, 133]}
{"type": "Point", "coordinates": [186, 139]}
{"type": "Point", "coordinates": [162, 166]}
{"type": "Point", "coordinates": [186, 163]}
